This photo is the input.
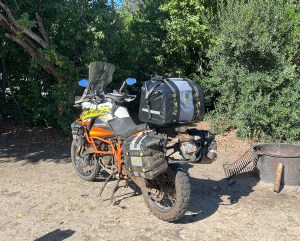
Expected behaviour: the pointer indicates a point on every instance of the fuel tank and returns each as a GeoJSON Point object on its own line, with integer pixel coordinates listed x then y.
{"type": "Point", "coordinates": [104, 112]}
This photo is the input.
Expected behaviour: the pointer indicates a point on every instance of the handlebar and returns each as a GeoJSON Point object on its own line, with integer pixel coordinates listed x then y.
{"type": "Point", "coordinates": [129, 98]}
{"type": "Point", "coordinates": [133, 96]}
{"type": "Point", "coordinates": [117, 97]}
{"type": "Point", "coordinates": [89, 98]}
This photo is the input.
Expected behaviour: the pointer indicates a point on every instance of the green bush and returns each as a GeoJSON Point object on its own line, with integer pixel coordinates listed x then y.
{"type": "Point", "coordinates": [254, 78]}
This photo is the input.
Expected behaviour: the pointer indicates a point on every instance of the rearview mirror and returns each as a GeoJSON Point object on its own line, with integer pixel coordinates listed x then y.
{"type": "Point", "coordinates": [130, 81]}
{"type": "Point", "coordinates": [83, 83]}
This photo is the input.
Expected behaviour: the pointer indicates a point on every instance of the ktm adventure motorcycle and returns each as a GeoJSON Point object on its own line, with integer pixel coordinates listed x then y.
{"type": "Point", "coordinates": [105, 138]}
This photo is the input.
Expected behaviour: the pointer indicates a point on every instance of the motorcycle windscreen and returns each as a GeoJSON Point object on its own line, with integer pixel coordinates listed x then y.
{"type": "Point", "coordinates": [100, 74]}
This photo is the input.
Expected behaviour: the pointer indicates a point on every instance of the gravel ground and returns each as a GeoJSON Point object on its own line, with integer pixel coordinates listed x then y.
{"type": "Point", "coordinates": [43, 199]}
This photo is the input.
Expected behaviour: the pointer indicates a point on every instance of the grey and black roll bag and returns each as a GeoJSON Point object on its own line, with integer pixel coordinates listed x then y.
{"type": "Point", "coordinates": [171, 101]}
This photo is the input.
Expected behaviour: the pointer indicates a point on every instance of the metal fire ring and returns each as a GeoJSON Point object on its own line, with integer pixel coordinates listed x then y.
{"type": "Point", "coordinates": [269, 155]}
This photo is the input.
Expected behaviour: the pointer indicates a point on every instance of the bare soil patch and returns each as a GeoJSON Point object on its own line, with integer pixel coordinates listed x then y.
{"type": "Point", "coordinates": [43, 199]}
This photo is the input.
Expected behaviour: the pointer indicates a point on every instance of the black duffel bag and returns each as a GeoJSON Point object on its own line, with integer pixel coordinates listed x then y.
{"type": "Point", "coordinates": [171, 101]}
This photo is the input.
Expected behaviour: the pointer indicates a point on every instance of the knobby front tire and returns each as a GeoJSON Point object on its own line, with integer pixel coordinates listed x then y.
{"type": "Point", "coordinates": [87, 167]}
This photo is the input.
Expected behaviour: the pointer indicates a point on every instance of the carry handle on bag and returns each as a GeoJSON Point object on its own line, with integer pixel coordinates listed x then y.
{"type": "Point", "coordinates": [161, 80]}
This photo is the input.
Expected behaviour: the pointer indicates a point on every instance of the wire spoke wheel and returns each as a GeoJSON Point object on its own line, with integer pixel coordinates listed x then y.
{"type": "Point", "coordinates": [164, 197]}
{"type": "Point", "coordinates": [86, 165]}
{"type": "Point", "coordinates": [170, 195]}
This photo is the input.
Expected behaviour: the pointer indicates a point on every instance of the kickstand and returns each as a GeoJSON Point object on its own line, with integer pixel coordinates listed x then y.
{"type": "Point", "coordinates": [134, 187]}
{"type": "Point", "coordinates": [115, 189]}
{"type": "Point", "coordinates": [104, 185]}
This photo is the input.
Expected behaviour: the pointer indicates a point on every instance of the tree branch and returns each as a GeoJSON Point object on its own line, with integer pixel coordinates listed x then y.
{"type": "Point", "coordinates": [50, 69]}
{"type": "Point", "coordinates": [4, 76]}
{"type": "Point", "coordinates": [34, 37]}
{"type": "Point", "coordinates": [30, 41]}
{"type": "Point", "coordinates": [7, 82]}
{"type": "Point", "coordinates": [4, 22]}
{"type": "Point", "coordinates": [7, 11]}
{"type": "Point", "coordinates": [23, 29]}
{"type": "Point", "coordinates": [42, 27]}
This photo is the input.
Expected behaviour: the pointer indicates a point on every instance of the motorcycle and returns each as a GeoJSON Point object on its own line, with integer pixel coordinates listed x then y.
{"type": "Point", "coordinates": [105, 138]}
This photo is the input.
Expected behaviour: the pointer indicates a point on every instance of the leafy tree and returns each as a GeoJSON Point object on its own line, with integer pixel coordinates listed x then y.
{"type": "Point", "coordinates": [167, 37]}
{"type": "Point", "coordinates": [61, 37]}
{"type": "Point", "coordinates": [254, 80]}
{"type": "Point", "coordinates": [244, 53]}
{"type": "Point", "coordinates": [187, 39]}
{"type": "Point", "coordinates": [143, 35]}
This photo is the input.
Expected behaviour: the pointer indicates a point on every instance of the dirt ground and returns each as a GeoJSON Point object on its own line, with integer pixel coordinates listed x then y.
{"type": "Point", "coordinates": [42, 198]}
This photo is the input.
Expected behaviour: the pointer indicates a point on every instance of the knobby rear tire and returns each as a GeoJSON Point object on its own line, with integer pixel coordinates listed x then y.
{"type": "Point", "coordinates": [182, 197]}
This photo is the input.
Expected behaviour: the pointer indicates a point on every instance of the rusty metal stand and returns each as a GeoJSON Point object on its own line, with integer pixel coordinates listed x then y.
{"type": "Point", "coordinates": [247, 162]}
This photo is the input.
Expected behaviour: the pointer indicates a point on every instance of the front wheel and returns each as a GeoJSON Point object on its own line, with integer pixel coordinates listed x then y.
{"type": "Point", "coordinates": [86, 165]}
{"type": "Point", "coordinates": [170, 194]}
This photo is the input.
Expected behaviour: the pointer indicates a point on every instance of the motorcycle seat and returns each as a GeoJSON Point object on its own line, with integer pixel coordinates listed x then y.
{"type": "Point", "coordinates": [125, 127]}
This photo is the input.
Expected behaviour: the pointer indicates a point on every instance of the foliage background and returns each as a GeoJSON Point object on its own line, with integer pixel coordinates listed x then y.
{"type": "Point", "coordinates": [245, 55]}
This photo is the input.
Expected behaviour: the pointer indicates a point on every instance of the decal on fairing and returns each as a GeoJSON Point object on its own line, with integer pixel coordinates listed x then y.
{"type": "Point", "coordinates": [102, 112]}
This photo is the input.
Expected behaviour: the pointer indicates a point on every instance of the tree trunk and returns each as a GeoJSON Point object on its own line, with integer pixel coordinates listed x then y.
{"type": "Point", "coordinates": [5, 83]}
{"type": "Point", "coordinates": [30, 41]}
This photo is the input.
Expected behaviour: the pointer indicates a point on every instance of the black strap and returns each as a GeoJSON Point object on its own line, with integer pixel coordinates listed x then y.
{"type": "Point", "coordinates": [137, 142]}
{"type": "Point", "coordinates": [170, 86]}
{"type": "Point", "coordinates": [149, 110]}
{"type": "Point", "coordinates": [113, 109]}
{"type": "Point", "coordinates": [196, 94]}
{"type": "Point", "coordinates": [148, 93]}
{"type": "Point", "coordinates": [174, 95]}
{"type": "Point", "coordinates": [89, 127]}
{"type": "Point", "coordinates": [160, 79]}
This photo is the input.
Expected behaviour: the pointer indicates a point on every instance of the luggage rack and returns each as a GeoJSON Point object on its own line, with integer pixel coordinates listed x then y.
{"type": "Point", "coordinates": [247, 162]}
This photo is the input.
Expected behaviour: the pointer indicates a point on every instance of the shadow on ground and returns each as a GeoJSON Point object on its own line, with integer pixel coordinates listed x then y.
{"type": "Point", "coordinates": [20, 143]}
{"type": "Point", "coordinates": [208, 195]}
{"type": "Point", "coordinates": [57, 235]}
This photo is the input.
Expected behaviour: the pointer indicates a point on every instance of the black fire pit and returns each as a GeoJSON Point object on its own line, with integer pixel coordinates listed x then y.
{"type": "Point", "coordinates": [269, 155]}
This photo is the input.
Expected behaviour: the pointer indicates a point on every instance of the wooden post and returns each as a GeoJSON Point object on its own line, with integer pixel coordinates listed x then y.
{"type": "Point", "coordinates": [278, 177]}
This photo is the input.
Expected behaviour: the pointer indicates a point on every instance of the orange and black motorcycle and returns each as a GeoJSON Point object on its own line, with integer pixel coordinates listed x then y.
{"type": "Point", "coordinates": [105, 138]}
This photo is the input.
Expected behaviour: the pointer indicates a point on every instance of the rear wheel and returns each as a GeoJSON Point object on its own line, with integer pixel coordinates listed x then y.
{"type": "Point", "coordinates": [170, 195]}
{"type": "Point", "coordinates": [86, 165]}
